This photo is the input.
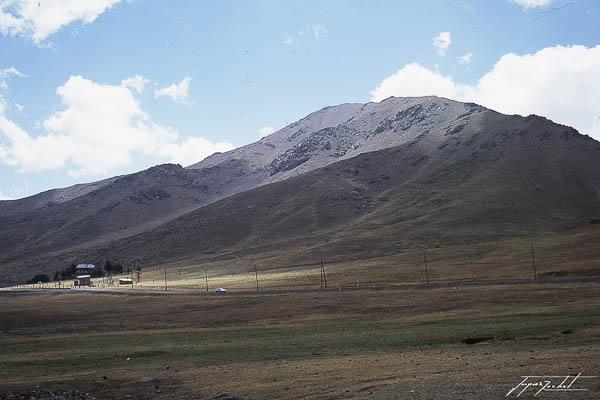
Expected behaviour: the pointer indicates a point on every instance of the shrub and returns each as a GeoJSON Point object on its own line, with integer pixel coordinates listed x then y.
{"type": "Point", "coordinates": [113, 268]}
{"type": "Point", "coordinates": [68, 273]}
{"type": "Point", "coordinates": [39, 278]}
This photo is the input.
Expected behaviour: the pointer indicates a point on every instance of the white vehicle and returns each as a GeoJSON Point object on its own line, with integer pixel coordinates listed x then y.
{"type": "Point", "coordinates": [221, 290]}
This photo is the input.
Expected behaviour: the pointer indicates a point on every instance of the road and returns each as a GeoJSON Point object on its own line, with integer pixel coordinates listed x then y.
{"type": "Point", "coordinates": [270, 292]}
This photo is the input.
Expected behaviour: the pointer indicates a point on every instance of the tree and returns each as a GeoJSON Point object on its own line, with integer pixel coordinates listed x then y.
{"type": "Point", "coordinates": [96, 272]}
{"type": "Point", "coordinates": [67, 273]}
{"type": "Point", "coordinates": [113, 268]}
{"type": "Point", "coordinates": [39, 278]}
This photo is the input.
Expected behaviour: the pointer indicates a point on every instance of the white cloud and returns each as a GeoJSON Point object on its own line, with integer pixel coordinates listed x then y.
{"type": "Point", "coordinates": [178, 93]}
{"type": "Point", "coordinates": [19, 107]}
{"type": "Point", "coordinates": [265, 131]}
{"type": "Point", "coordinates": [317, 30]}
{"type": "Point", "coordinates": [442, 42]}
{"type": "Point", "coordinates": [41, 18]}
{"type": "Point", "coordinates": [192, 150]}
{"type": "Point", "coordinates": [136, 82]}
{"type": "Point", "coordinates": [466, 59]}
{"type": "Point", "coordinates": [560, 83]}
{"type": "Point", "coordinates": [415, 80]}
{"type": "Point", "coordinates": [531, 3]}
{"type": "Point", "coordinates": [7, 73]}
{"type": "Point", "coordinates": [100, 129]}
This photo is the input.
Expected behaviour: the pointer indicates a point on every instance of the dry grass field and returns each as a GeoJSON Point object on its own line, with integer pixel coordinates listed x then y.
{"type": "Point", "coordinates": [573, 254]}
{"type": "Point", "coordinates": [393, 337]}
{"type": "Point", "coordinates": [361, 344]}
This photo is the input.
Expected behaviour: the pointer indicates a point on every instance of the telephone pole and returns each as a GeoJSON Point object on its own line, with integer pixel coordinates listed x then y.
{"type": "Point", "coordinates": [166, 280]}
{"type": "Point", "coordinates": [426, 271]}
{"type": "Point", "coordinates": [321, 271]}
{"type": "Point", "coordinates": [256, 272]}
{"type": "Point", "coordinates": [533, 261]}
{"type": "Point", "coordinates": [206, 279]}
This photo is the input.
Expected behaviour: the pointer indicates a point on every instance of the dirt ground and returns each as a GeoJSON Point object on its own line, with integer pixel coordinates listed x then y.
{"type": "Point", "coordinates": [368, 344]}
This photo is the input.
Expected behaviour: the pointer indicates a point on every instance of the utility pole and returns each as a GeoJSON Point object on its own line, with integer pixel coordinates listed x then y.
{"type": "Point", "coordinates": [206, 279]}
{"type": "Point", "coordinates": [256, 272]}
{"type": "Point", "coordinates": [321, 270]}
{"type": "Point", "coordinates": [166, 280]}
{"type": "Point", "coordinates": [533, 261]}
{"type": "Point", "coordinates": [426, 271]}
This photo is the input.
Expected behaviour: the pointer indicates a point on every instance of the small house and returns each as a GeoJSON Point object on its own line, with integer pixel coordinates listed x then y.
{"type": "Point", "coordinates": [83, 280]}
{"type": "Point", "coordinates": [85, 268]}
{"type": "Point", "coordinates": [125, 281]}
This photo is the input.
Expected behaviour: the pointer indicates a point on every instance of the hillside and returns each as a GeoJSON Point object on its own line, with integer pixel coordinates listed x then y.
{"type": "Point", "coordinates": [10, 209]}
{"type": "Point", "coordinates": [481, 176]}
{"type": "Point", "coordinates": [342, 132]}
{"type": "Point", "coordinates": [99, 212]}
{"type": "Point", "coordinates": [124, 206]}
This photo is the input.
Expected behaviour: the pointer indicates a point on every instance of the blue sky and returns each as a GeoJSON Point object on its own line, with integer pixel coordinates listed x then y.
{"type": "Point", "coordinates": [96, 88]}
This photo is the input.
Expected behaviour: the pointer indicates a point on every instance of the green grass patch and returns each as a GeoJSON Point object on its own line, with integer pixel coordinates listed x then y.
{"type": "Point", "coordinates": [67, 355]}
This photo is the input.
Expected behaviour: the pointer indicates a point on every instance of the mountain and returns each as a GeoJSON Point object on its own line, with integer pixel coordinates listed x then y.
{"type": "Point", "coordinates": [342, 132]}
{"type": "Point", "coordinates": [118, 207]}
{"type": "Point", "coordinates": [365, 179]}
{"type": "Point", "coordinates": [20, 208]}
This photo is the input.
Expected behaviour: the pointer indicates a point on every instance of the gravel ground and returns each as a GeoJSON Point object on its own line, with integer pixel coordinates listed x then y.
{"type": "Point", "coordinates": [37, 394]}
{"type": "Point", "coordinates": [60, 394]}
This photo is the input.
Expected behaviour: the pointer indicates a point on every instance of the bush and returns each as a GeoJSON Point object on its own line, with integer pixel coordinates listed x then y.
{"type": "Point", "coordinates": [38, 278]}
{"type": "Point", "coordinates": [97, 272]}
{"type": "Point", "coordinates": [68, 273]}
{"type": "Point", "coordinates": [71, 272]}
{"type": "Point", "coordinates": [113, 268]}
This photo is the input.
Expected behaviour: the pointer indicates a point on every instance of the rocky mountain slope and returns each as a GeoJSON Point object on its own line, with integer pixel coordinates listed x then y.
{"type": "Point", "coordinates": [19, 208]}
{"type": "Point", "coordinates": [480, 176]}
{"type": "Point", "coordinates": [118, 207]}
{"type": "Point", "coordinates": [362, 180]}
{"type": "Point", "coordinates": [342, 132]}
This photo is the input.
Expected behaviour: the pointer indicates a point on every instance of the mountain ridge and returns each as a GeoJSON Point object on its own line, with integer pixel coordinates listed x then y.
{"type": "Point", "coordinates": [443, 166]}
{"type": "Point", "coordinates": [319, 139]}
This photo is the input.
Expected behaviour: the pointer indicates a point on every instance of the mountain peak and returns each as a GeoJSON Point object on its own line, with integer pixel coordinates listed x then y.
{"type": "Point", "coordinates": [432, 158]}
